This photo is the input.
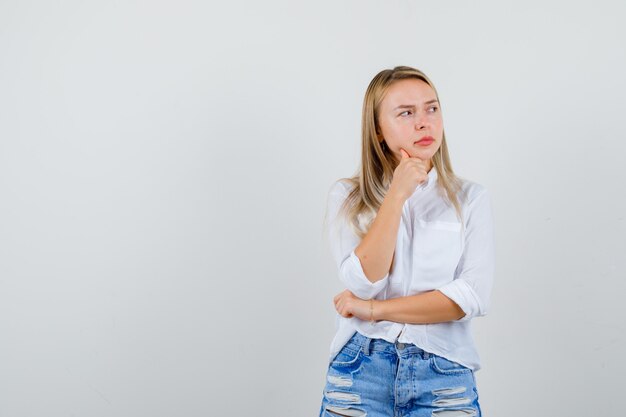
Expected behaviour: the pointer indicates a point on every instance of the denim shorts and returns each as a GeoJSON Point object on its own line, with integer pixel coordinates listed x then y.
{"type": "Point", "coordinates": [377, 378]}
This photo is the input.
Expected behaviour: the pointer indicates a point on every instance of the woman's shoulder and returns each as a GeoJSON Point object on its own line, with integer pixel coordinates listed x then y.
{"type": "Point", "coordinates": [471, 189]}
{"type": "Point", "coordinates": [342, 186]}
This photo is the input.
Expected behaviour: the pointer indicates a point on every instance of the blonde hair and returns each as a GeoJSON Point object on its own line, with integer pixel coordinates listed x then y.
{"type": "Point", "coordinates": [373, 177]}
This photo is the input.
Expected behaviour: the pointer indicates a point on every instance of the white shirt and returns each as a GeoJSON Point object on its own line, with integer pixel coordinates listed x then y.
{"type": "Point", "coordinates": [432, 252]}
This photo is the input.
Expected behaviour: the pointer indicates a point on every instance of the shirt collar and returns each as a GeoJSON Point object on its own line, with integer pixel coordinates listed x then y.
{"type": "Point", "coordinates": [430, 180]}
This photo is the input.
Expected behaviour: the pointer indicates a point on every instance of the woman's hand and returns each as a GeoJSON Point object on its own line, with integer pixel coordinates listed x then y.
{"type": "Point", "coordinates": [348, 305]}
{"type": "Point", "coordinates": [410, 172]}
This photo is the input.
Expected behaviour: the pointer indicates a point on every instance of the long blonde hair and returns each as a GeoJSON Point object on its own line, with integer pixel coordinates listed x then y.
{"type": "Point", "coordinates": [373, 177]}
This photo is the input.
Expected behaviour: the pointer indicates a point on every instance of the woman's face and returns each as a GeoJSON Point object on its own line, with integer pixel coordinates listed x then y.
{"type": "Point", "coordinates": [409, 112]}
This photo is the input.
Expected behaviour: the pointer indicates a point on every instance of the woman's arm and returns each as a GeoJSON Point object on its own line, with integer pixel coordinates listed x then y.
{"type": "Point", "coordinates": [425, 308]}
{"type": "Point", "coordinates": [375, 251]}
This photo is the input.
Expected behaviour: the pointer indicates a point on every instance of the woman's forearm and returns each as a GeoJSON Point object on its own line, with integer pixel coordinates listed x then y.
{"type": "Point", "coordinates": [377, 247]}
{"type": "Point", "coordinates": [425, 308]}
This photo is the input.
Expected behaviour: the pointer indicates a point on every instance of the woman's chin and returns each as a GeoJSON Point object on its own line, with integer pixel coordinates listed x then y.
{"type": "Point", "coordinates": [424, 154]}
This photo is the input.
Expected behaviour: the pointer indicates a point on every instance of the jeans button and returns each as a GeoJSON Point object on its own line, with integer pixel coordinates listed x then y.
{"type": "Point", "coordinates": [400, 345]}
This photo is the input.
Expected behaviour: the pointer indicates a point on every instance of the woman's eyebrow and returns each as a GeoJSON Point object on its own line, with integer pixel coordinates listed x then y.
{"type": "Point", "coordinates": [410, 106]}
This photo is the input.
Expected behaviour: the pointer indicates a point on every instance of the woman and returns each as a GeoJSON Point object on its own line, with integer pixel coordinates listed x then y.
{"type": "Point", "coordinates": [414, 246]}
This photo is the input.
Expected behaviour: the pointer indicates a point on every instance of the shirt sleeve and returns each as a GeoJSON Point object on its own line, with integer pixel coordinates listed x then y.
{"type": "Point", "coordinates": [342, 241]}
{"type": "Point", "coordinates": [471, 287]}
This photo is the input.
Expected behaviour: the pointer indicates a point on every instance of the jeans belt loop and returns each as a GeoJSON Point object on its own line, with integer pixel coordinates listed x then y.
{"type": "Point", "coordinates": [366, 345]}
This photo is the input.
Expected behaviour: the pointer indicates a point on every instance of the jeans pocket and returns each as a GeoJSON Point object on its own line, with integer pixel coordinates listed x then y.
{"type": "Point", "coordinates": [445, 366]}
{"type": "Point", "coordinates": [347, 357]}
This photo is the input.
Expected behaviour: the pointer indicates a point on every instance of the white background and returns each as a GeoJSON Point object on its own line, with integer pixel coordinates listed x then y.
{"type": "Point", "coordinates": [163, 174]}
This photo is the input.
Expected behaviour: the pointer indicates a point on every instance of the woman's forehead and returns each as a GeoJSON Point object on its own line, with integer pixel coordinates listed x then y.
{"type": "Point", "coordinates": [412, 92]}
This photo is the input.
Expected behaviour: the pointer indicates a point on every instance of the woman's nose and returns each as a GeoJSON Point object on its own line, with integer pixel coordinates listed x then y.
{"type": "Point", "coordinates": [420, 123]}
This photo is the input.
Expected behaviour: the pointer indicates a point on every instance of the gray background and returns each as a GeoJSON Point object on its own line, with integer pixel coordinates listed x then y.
{"type": "Point", "coordinates": [163, 174]}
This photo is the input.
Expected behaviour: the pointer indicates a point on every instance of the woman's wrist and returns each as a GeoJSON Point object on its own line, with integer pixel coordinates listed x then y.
{"type": "Point", "coordinates": [394, 198]}
{"type": "Point", "coordinates": [376, 310]}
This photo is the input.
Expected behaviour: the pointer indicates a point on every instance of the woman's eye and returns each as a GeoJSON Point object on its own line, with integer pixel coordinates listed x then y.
{"type": "Point", "coordinates": [434, 108]}
{"type": "Point", "coordinates": [408, 111]}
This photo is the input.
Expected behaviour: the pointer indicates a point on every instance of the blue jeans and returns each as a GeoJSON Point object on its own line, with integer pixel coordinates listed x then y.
{"type": "Point", "coordinates": [380, 379]}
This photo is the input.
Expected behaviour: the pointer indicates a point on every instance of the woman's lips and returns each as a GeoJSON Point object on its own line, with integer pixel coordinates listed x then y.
{"type": "Point", "coordinates": [425, 141]}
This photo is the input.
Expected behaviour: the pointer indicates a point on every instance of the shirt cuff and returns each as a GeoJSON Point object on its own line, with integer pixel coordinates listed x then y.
{"type": "Point", "coordinates": [464, 295]}
{"type": "Point", "coordinates": [355, 280]}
